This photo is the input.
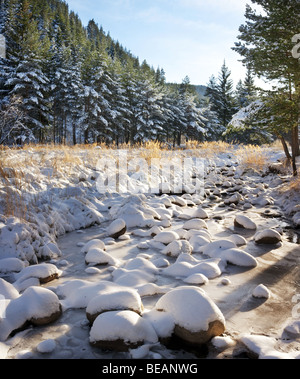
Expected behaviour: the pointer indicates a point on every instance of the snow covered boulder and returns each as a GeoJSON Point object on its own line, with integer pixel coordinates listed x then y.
{"type": "Point", "coordinates": [98, 257]}
{"type": "Point", "coordinates": [215, 249]}
{"type": "Point", "coordinates": [175, 248]}
{"type": "Point", "coordinates": [135, 212]}
{"type": "Point", "coordinates": [268, 237]}
{"type": "Point", "coordinates": [234, 199]}
{"type": "Point", "coordinates": [8, 265]}
{"type": "Point", "coordinates": [200, 213]}
{"type": "Point", "coordinates": [121, 331]}
{"type": "Point", "coordinates": [261, 292]}
{"type": "Point", "coordinates": [37, 306]}
{"type": "Point", "coordinates": [166, 237]}
{"type": "Point", "coordinates": [238, 240]}
{"type": "Point", "coordinates": [117, 228]}
{"type": "Point", "coordinates": [195, 223]}
{"type": "Point", "coordinates": [115, 299]}
{"type": "Point", "coordinates": [95, 243]}
{"type": "Point", "coordinates": [244, 222]}
{"type": "Point", "coordinates": [239, 257]}
{"type": "Point", "coordinates": [197, 242]}
{"type": "Point", "coordinates": [199, 279]}
{"type": "Point", "coordinates": [7, 290]}
{"type": "Point", "coordinates": [36, 274]}
{"type": "Point", "coordinates": [197, 318]}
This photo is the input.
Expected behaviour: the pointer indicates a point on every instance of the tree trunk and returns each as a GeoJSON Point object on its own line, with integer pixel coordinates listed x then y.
{"type": "Point", "coordinates": [74, 134]}
{"type": "Point", "coordinates": [285, 146]}
{"type": "Point", "coordinates": [295, 141]}
{"type": "Point", "coordinates": [86, 136]}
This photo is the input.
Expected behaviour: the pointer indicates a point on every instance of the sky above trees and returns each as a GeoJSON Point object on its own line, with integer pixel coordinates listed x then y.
{"type": "Point", "coordinates": [184, 37]}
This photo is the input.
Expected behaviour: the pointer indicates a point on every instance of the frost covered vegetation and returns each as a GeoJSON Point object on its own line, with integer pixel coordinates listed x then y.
{"type": "Point", "coordinates": [115, 275]}
{"type": "Point", "coordinates": [62, 82]}
{"type": "Point", "coordinates": [113, 242]}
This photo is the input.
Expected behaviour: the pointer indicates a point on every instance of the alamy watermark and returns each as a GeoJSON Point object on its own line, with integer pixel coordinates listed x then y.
{"type": "Point", "coordinates": [171, 175]}
{"type": "Point", "coordinates": [296, 48]}
{"type": "Point", "coordinates": [2, 46]}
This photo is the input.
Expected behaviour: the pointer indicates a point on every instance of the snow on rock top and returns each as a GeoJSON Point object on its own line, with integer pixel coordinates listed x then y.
{"type": "Point", "coordinates": [134, 211]}
{"type": "Point", "coordinates": [194, 313]}
{"type": "Point", "coordinates": [244, 222]}
{"type": "Point", "coordinates": [99, 257]}
{"type": "Point", "coordinates": [95, 243]}
{"type": "Point", "coordinates": [175, 248]}
{"type": "Point", "coordinates": [166, 237]}
{"type": "Point", "coordinates": [37, 305]}
{"type": "Point", "coordinates": [239, 258]}
{"type": "Point", "coordinates": [43, 273]}
{"type": "Point", "coordinates": [117, 228]}
{"type": "Point", "coordinates": [214, 249]}
{"type": "Point", "coordinates": [11, 265]}
{"type": "Point", "coordinates": [78, 293]}
{"type": "Point", "coordinates": [126, 328]}
{"type": "Point", "coordinates": [7, 290]}
{"type": "Point", "coordinates": [268, 236]}
{"type": "Point", "coordinates": [261, 292]}
{"type": "Point", "coordinates": [46, 347]}
{"type": "Point", "coordinates": [113, 299]}
{"type": "Point", "coordinates": [196, 224]}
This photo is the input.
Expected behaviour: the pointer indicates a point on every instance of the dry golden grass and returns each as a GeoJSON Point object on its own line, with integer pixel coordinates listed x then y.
{"type": "Point", "coordinates": [252, 157]}
{"type": "Point", "coordinates": [292, 186]}
{"type": "Point", "coordinates": [208, 149]}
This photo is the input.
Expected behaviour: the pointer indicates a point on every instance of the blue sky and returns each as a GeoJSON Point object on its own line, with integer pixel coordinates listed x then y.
{"type": "Point", "coordinates": [184, 37]}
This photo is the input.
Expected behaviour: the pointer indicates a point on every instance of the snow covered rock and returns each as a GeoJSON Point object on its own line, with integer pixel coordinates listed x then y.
{"type": "Point", "coordinates": [244, 222]}
{"type": "Point", "coordinates": [8, 265]}
{"type": "Point", "coordinates": [268, 237]}
{"type": "Point", "coordinates": [196, 224]}
{"type": "Point", "coordinates": [166, 237]}
{"type": "Point", "coordinates": [178, 200]}
{"type": "Point", "coordinates": [261, 292]}
{"type": "Point", "coordinates": [121, 331]}
{"type": "Point", "coordinates": [238, 240]}
{"type": "Point", "coordinates": [78, 293]}
{"type": "Point", "coordinates": [140, 263]}
{"type": "Point", "coordinates": [200, 213]}
{"type": "Point", "coordinates": [196, 279]}
{"type": "Point", "coordinates": [37, 305]}
{"type": "Point", "coordinates": [234, 199]}
{"type": "Point", "coordinates": [263, 347]}
{"type": "Point", "coordinates": [7, 290]}
{"type": "Point", "coordinates": [197, 318]}
{"type": "Point", "coordinates": [40, 273]}
{"type": "Point", "coordinates": [116, 229]}
{"type": "Point", "coordinates": [162, 322]}
{"type": "Point", "coordinates": [114, 299]}
{"type": "Point", "coordinates": [95, 243]}
{"type": "Point", "coordinates": [214, 249]}
{"type": "Point", "coordinates": [197, 242]}
{"type": "Point", "coordinates": [132, 278]}
{"type": "Point", "coordinates": [135, 212]}
{"type": "Point", "coordinates": [98, 257]}
{"type": "Point", "coordinates": [293, 329]}
{"type": "Point", "coordinates": [175, 248]}
{"type": "Point", "coordinates": [46, 347]}
{"type": "Point", "coordinates": [239, 257]}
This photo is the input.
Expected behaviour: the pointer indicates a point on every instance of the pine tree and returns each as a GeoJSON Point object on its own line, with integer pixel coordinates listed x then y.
{"type": "Point", "coordinates": [266, 46]}
{"type": "Point", "coordinates": [28, 80]}
{"type": "Point", "coordinates": [221, 94]}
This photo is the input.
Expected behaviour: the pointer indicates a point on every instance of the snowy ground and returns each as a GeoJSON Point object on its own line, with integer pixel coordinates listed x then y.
{"type": "Point", "coordinates": [169, 243]}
